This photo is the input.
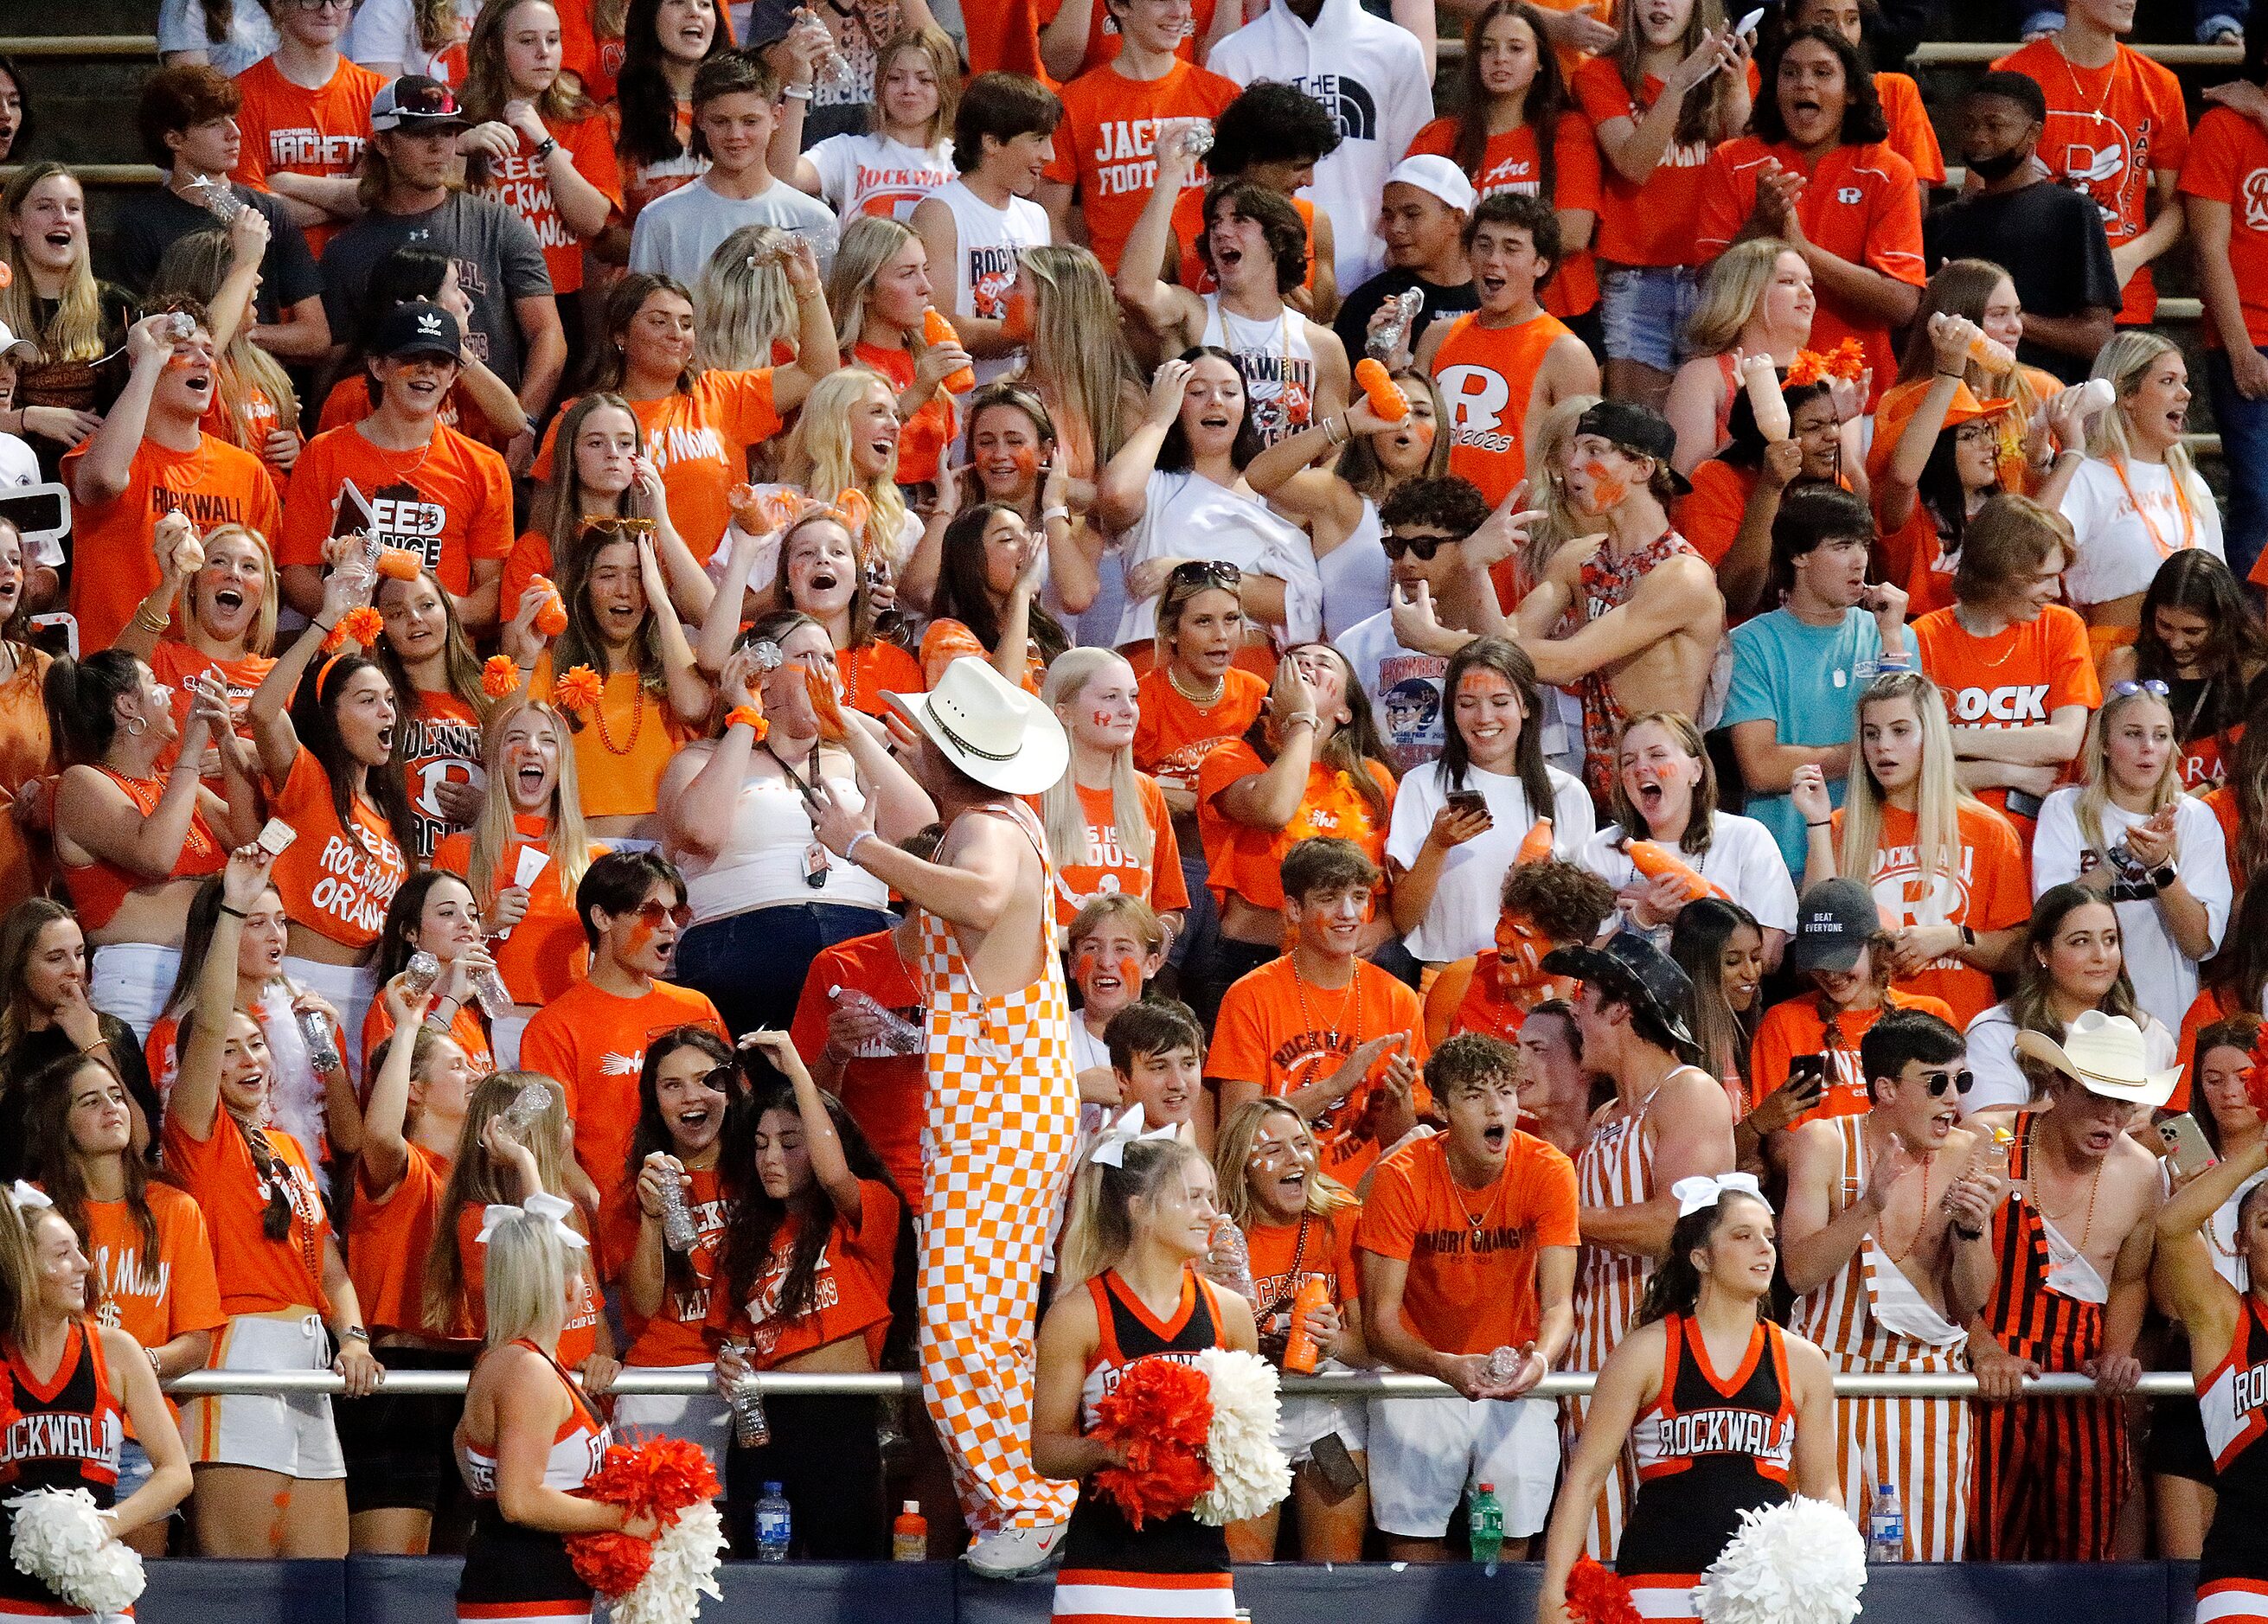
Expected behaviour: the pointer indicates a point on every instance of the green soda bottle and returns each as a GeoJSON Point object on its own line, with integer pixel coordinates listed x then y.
{"type": "Point", "coordinates": [1486, 1520]}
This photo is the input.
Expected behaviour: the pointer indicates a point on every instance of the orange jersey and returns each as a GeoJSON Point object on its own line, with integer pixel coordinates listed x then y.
{"type": "Point", "coordinates": [1105, 143]}
{"type": "Point", "coordinates": [1004, 36]}
{"type": "Point", "coordinates": [1111, 867]}
{"type": "Point", "coordinates": [155, 1296]}
{"type": "Point", "coordinates": [336, 885]}
{"type": "Point", "coordinates": [1990, 890]}
{"type": "Point", "coordinates": [1175, 733]}
{"type": "Point", "coordinates": [2108, 130]}
{"type": "Point", "coordinates": [850, 1293]}
{"type": "Point", "coordinates": [886, 1093]}
{"type": "Point", "coordinates": [387, 1238]}
{"type": "Point", "coordinates": [922, 439]}
{"type": "Point", "coordinates": [1651, 223]}
{"type": "Point", "coordinates": [256, 1275]}
{"type": "Point", "coordinates": [1287, 1256]}
{"type": "Point", "coordinates": [2229, 164]}
{"type": "Point", "coordinates": [289, 129]}
{"type": "Point", "coordinates": [1860, 203]}
{"type": "Point", "coordinates": [593, 1044]}
{"type": "Point", "coordinates": [518, 182]}
{"type": "Point", "coordinates": [439, 743]}
{"type": "Point", "coordinates": [1794, 1028]}
{"type": "Point", "coordinates": [1472, 1253]}
{"type": "Point", "coordinates": [1102, 35]}
{"type": "Point", "coordinates": [449, 502]}
{"type": "Point", "coordinates": [622, 748]}
{"type": "Point", "coordinates": [1245, 862]}
{"type": "Point", "coordinates": [678, 1334]}
{"type": "Point", "coordinates": [113, 566]}
{"type": "Point", "coordinates": [546, 953]}
{"type": "Point", "coordinates": [1189, 225]}
{"type": "Point", "coordinates": [873, 670]}
{"type": "Point", "coordinates": [699, 441]}
{"type": "Point", "coordinates": [467, 1031]}
{"type": "Point", "coordinates": [1912, 136]}
{"type": "Point", "coordinates": [1511, 162]}
{"type": "Point", "coordinates": [2019, 677]}
{"type": "Point", "coordinates": [578, 1338]}
{"type": "Point", "coordinates": [1487, 377]}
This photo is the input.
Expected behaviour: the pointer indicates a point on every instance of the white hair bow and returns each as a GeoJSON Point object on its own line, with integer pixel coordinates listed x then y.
{"type": "Point", "coordinates": [1111, 1151]}
{"type": "Point", "coordinates": [539, 1205]}
{"type": "Point", "coordinates": [28, 1198]}
{"type": "Point", "coordinates": [1703, 1190]}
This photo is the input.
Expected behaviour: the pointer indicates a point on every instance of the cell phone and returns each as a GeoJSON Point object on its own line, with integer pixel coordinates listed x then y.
{"type": "Point", "coordinates": [277, 837]}
{"type": "Point", "coordinates": [1466, 802]}
{"type": "Point", "coordinates": [55, 633]}
{"type": "Point", "coordinates": [2185, 1145]}
{"type": "Point", "coordinates": [1747, 25]}
{"type": "Point", "coordinates": [1807, 1074]}
{"type": "Point", "coordinates": [39, 513]}
{"type": "Point", "coordinates": [2023, 804]}
{"type": "Point", "coordinates": [1336, 1467]}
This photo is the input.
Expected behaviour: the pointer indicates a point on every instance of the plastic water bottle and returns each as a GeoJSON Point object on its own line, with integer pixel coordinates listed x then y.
{"type": "Point", "coordinates": [315, 1031]}
{"type": "Point", "coordinates": [1485, 1520]}
{"type": "Point", "coordinates": [494, 996]}
{"type": "Point", "coordinates": [419, 974]}
{"type": "Point", "coordinates": [526, 1110]}
{"type": "Point", "coordinates": [1402, 309]}
{"type": "Point", "coordinates": [1229, 1264]}
{"type": "Point", "coordinates": [679, 1233]}
{"type": "Point", "coordinates": [1886, 1527]}
{"type": "Point", "coordinates": [909, 1534]}
{"type": "Point", "coordinates": [772, 1526]}
{"type": "Point", "coordinates": [894, 1034]}
{"type": "Point", "coordinates": [752, 1428]}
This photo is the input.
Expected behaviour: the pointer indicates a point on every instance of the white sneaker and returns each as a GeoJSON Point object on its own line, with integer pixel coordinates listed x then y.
{"type": "Point", "coordinates": [1014, 1552]}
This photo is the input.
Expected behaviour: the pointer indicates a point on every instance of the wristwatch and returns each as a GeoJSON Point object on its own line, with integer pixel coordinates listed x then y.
{"type": "Point", "coordinates": [1967, 936]}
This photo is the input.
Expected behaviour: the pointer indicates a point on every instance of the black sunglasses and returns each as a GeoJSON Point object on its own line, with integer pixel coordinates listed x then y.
{"type": "Point", "coordinates": [1938, 1082]}
{"type": "Point", "coordinates": [1205, 573]}
{"type": "Point", "coordinates": [1424, 547]}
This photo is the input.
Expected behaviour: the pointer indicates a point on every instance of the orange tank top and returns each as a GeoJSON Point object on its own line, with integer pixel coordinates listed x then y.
{"type": "Point", "coordinates": [1487, 377]}
{"type": "Point", "coordinates": [98, 889]}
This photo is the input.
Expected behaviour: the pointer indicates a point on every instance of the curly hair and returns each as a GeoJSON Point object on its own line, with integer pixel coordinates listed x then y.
{"type": "Point", "coordinates": [1564, 901]}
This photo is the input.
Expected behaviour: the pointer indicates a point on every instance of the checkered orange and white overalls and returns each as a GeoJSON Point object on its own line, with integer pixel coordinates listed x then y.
{"type": "Point", "coordinates": [1001, 1129]}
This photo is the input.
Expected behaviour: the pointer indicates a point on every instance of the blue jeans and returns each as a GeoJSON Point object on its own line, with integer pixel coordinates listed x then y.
{"type": "Point", "coordinates": [753, 965]}
{"type": "Point", "coordinates": [1642, 310]}
{"type": "Point", "coordinates": [2243, 426]}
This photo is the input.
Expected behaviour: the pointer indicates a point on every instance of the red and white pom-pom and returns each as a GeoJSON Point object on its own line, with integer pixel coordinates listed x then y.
{"type": "Point", "coordinates": [1161, 1412]}
{"type": "Point", "coordinates": [1801, 1562]}
{"type": "Point", "coordinates": [1596, 1595]}
{"type": "Point", "coordinates": [661, 1580]}
{"type": "Point", "coordinates": [61, 1540]}
{"type": "Point", "coordinates": [1250, 1474]}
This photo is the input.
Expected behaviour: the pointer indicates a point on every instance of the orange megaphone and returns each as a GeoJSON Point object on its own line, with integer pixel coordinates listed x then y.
{"type": "Point", "coordinates": [1385, 395]}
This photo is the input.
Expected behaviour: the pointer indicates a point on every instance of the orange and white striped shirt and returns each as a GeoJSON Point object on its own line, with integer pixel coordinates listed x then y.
{"type": "Point", "coordinates": [1615, 1168]}
{"type": "Point", "coordinates": [1840, 1315]}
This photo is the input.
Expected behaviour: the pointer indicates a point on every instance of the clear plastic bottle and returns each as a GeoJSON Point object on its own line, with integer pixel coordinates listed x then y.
{"type": "Point", "coordinates": [752, 1428]}
{"type": "Point", "coordinates": [1196, 139]}
{"type": "Point", "coordinates": [315, 1031]}
{"type": "Point", "coordinates": [1886, 1527]}
{"type": "Point", "coordinates": [679, 1233]}
{"type": "Point", "coordinates": [1228, 1265]}
{"type": "Point", "coordinates": [419, 974]}
{"type": "Point", "coordinates": [1504, 1364]}
{"type": "Point", "coordinates": [495, 997]}
{"type": "Point", "coordinates": [1485, 1521]}
{"type": "Point", "coordinates": [894, 1034]}
{"type": "Point", "coordinates": [526, 1110]}
{"type": "Point", "coordinates": [774, 1524]}
{"type": "Point", "coordinates": [1401, 310]}
{"type": "Point", "coordinates": [909, 1534]}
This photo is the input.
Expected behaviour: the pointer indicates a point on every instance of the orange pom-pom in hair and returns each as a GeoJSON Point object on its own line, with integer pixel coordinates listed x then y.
{"type": "Point", "coordinates": [938, 330]}
{"type": "Point", "coordinates": [551, 619]}
{"type": "Point", "coordinates": [1596, 1596]}
{"type": "Point", "coordinates": [855, 510]}
{"type": "Point", "coordinates": [1385, 395]}
{"type": "Point", "coordinates": [1809, 367]}
{"type": "Point", "coordinates": [361, 624]}
{"type": "Point", "coordinates": [1159, 1414]}
{"type": "Point", "coordinates": [398, 563]}
{"type": "Point", "coordinates": [579, 690]}
{"type": "Point", "coordinates": [500, 676]}
{"type": "Point", "coordinates": [1847, 360]}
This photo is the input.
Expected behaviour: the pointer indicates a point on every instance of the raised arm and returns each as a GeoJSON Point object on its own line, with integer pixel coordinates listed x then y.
{"type": "Point", "coordinates": [195, 1101]}
{"type": "Point", "coordinates": [347, 587]}
{"type": "Point", "coordinates": [817, 350]}
{"type": "Point", "coordinates": [1162, 307]}
{"type": "Point", "coordinates": [1120, 496]}
{"type": "Point", "coordinates": [828, 1165]}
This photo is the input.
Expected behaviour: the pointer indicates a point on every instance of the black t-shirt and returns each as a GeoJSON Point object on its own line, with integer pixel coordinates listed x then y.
{"type": "Point", "coordinates": [31, 1053]}
{"type": "Point", "coordinates": [75, 386]}
{"type": "Point", "coordinates": [1352, 323]}
{"type": "Point", "coordinates": [2050, 240]}
{"type": "Point", "coordinates": [154, 221]}
{"type": "Point", "coordinates": [498, 259]}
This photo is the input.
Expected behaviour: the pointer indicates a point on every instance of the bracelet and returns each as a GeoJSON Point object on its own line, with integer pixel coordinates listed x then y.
{"type": "Point", "coordinates": [546, 148]}
{"type": "Point", "coordinates": [1050, 515]}
{"type": "Point", "coordinates": [1958, 378]}
{"type": "Point", "coordinates": [233, 913]}
{"type": "Point", "coordinates": [796, 92]}
{"type": "Point", "coordinates": [750, 716]}
{"type": "Point", "coordinates": [148, 623]}
{"type": "Point", "coordinates": [1966, 1234]}
{"type": "Point", "coordinates": [1823, 823]}
{"type": "Point", "coordinates": [319, 627]}
{"type": "Point", "coordinates": [354, 1333]}
{"type": "Point", "coordinates": [99, 1043]}
{"type": "Point", "coordinates": [1300, 715]}
{"type": "Point", "coordinates": [850, 852]}
{"type": "Point", "coordinates": [1968, 936]}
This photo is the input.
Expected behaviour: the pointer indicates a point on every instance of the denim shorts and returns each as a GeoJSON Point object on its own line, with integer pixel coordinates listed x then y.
{"type": "Point", "coordinates": [1642, 310]}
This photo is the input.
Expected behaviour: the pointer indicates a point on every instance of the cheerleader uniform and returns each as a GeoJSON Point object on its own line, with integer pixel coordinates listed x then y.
{"type": "Point", "coordinates": [1707, 1451]}
{"type": "Point", "coordinates": [520, 1573]}
{"type": "Point", "coordinates": [63, 1433]}
{"type": "Point", "coordinates": [1176, 1568]}
{"type": "Point", "coordinates": [2233, 1575]}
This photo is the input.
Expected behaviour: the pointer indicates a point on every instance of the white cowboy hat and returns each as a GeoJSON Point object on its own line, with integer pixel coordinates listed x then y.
{"type": "Point", "coordinates": [1000, 735]}
{"type": "Point", "coordinates": [2103, 1054]}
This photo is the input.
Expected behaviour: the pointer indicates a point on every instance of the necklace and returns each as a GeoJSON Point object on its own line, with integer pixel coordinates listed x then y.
{"type": "Point", "coordinates": [1474, 1220]}
{"type": "Point", "coordinates": [1203, 701]}
{"type": "Point", "coordinates": [1353, 995]}
{"type": "Point", "coordinates": [637, 723]}
{"type": "Point", "coordinates": [1921, 1219]}
{"type": "Point", "coordinates": [2109, 81]}
{"type": "Point", "coordinates": [2032, 1189]}
{"type": "Point", "coordinates": [2181, 501]}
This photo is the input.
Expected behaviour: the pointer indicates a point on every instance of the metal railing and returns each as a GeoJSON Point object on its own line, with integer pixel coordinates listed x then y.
{"type": "Point", "coordinates": [1977, 53]}
{"type": "Point", "coordinates": [78, 45]}
{"type": "Point", "coordinates": [1366, 1384]}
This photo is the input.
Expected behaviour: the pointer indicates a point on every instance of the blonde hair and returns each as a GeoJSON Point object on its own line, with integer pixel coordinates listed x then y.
{"type": "Point", "coordinates": [1232, 1164]}
{"type": "Point", "coordinates": [495, 828]}
{"type": "Point", "coordinates": [196, 265]}
{"type": "Point", "coordinates": [1547, 483]}
{"type": "Point", "coordinates": [1136, 914]}
{"type": "Point", "coordinates": [524, 1279]}
{"type": "Point", "coordinates": [2094, 761]}
{"type": "Point", "coordinates": [472, 1179]}
{"type": "Point", "coordinates": [1731, 293]}
{"type": "Point", "coordinates": [20, 1269]}
{"type": "Point", "coordinates": [945, 62]}
{"type": "Point", "coordinates": [75, 332]}
{"type": "Point", "coordinates": [1098, 1230]}
{"type": "Point", "coordinates": [817, 459]}
{"type": "Point", "coordinates": [869, 243]}
{"type": "Point", "coordinates": [2131, 353]}
{"type": "Point", "coordinates": [1938, 794]}
{"type": "Point", "coordinates": [1059, 807]}
{"type": "Point", "coordinates": [1077, 357]}
{"type": "Point", "coordinates": [743, 302]}
{"type": "Point", "coordinates": [261, 638]}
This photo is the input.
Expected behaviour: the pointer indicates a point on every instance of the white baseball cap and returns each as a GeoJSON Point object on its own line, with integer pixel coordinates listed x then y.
{"type": "Point", "coordinates": [1430, 172]}
{"type": "Point", "coordinates": [12, 348]}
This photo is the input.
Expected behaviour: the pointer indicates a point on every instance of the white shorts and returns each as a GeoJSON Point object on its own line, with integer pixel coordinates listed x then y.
{"type": "Point", "coordinates": [130, 980]}
{"type": "Point", "coordinates": [504, 1033]}
{"type": "Point", "coordinates": [702, 1419]}
{"type": "Point", "coordinates": [349, 989]}
{"type": "Point", "coordinates": [1425, 1453]}
{"type": "Point", "coordinates": [1300, 1421]}
{"type": "Point", "coordinates": [289, 1432]}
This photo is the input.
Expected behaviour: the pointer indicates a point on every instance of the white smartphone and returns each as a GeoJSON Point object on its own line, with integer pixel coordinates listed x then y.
{"type": "Point", "coordinates": [1747, 25]}
{"type": "Point", "coordinates": [277, 837]}
{"type": "Point", "coordinates": [2185, 1145]}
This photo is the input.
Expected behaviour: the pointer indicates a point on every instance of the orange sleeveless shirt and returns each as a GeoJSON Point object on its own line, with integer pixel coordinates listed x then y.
{"type": "Point", "coordinates": [1487, 377]}
{"type": "Point", "coordinates": [98, 889]}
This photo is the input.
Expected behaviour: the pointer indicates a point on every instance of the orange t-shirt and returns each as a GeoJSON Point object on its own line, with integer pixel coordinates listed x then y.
{"type": "Point", "coordinates": [546, 953]}
{"type": "Point", "coordinates": [644, 180]}
{"type": "Point", "coordinates": [449, 502]}
{"type": "Point", "coordinates": [174, 664]}
{"type": "Point", "coordinates": [1103, 34]}
{"type": "Point", "coordinates": [2210, 1006]}
{"type": "Point", "coordinates": [518, 182]}
{"type": "Point", "coordinates": [1710, 515]}
{"type": "Point", "coordinates": [387, 1238]}
{"type": "Point", "coordinates": [922, 437]}
{"type": "Point", "coordinates": [850, 1290]}
{"type": "Point", "coordinates": [699, 442]}
{"type": "Point", "coordinates": [442, 745]}
{"type": "Point", "coordinates": [1860, 202]}
{"type": "Point", "coordinates": [288, 129]}
{"type": "Point", "coordinates": [114, 567]}
{"type": "Point", "coordinates": [578, 1338]}
{"type": "Point", "coordinates": [1912, 136]}
{"type": "Point", "coordinates": [583, 53]}
{"type": "Point", "coordinates": [947, 640]}
{"type": "Point", "coordinates": [1472, 1255]}
{"type": "Point", "coordinates": [1281, 1264]}
{"type": "Point", "coordinates": [1511, 162]}
{"type": "Point", "coordinates": [1991, 892]}
{"type": "Point", "coordinates": [1105, 143]}
{"type": "Point", "coordinates": [1111, 868]}
{"type": "Point", "coordinates": [1005, 36]}
{"type": "Point", "coordinates": [334, 884]}
{"type": "Point", "coordinates": [1245, 862]}
{"type": "Point", "coordinates": [1276, 1032]}
{"type": "Point", "coordinates": [678, 1334]}
{"type": "Point", "coordinates": [467, 1031]}
{"type": "Point", "coordinates": [874, 669]}
{"type": "Point", "coordinates": [261, 418]}
{"type": "Point", "coordinates": [593, 1044]}
{"type": "Point", "coordinates": [1794, 1028]}
{"type": "Point", "coordinates": [2019, 677]}
{"type": "Point", "coordinates": [886, 1094]}
{"type": "Point", "coordinates": [154, 1299]}
{"type": "Point", "coordinates": [1652, 223]}
{"type": "Point", "coordinates": [1175, 733]}
{"type": "Point", "coordinates": [1189, 225]}
{"type": "Point", "coordinates": [2229, 164]}
{"type": "Point", "coordinates": [256, 1275]}
{"type": "Point", "coordinates": [1487, 377]}
{"type": "Point", "coordinates": [622, 751]}
{"type": "Point", "coordinates": [2109, 130]}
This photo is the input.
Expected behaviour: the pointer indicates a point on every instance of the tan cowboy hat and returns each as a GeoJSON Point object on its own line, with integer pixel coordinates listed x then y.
{"type": "Point", "coordinates": [1000, 735]}
{"type": "Point", "coordinates": [2103, 1054]}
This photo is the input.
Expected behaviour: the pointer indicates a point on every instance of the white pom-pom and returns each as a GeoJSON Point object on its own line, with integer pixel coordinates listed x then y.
{"type": "Point", "coordinates": [1249, 1473]}
{"type": "Point", "coordinates": [684, 1570]}
{"type": "Point", "coordinates": [1797, 1563]}
{"type": "Point", "coordinates": [61, 1540]}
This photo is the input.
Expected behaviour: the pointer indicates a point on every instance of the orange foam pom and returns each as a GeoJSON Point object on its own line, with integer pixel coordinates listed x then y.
{"type": "Point", "coordinates": [1385, 395]}
{"type": "Point", "coordinates": [1596, 1596]}
{"type": "Point", "coordinates": [579, 690]}
{"type": "Point", "coordinates": [855, 508]}
{"type": "Point", "coordinates": [499, 676]}
{"type": "Point", "coordinates": [398, 563]}
{"type": "Point", "coordinates": [938, 330]}
{"type": "Point", "coordinates": [1159, 1414]}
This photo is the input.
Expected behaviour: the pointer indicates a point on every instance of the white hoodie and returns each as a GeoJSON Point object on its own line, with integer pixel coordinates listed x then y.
{"type": "Point", "coordinates": [1371, 76]}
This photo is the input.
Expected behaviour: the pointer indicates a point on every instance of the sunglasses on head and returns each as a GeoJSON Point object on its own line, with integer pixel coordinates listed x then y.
{"type": "Point", "coordinates": [2150, 685]}
{"type": "Point", "coordinates": [653, 913]}
{"type": "Point", "coordinates": [1424, 547]}
{"type": "Point", "coordinates": [613, 525]}
{"type": "Point", "coordinates": [1205, 573]}
{"type": "Point", "coordinates": [1938, 1082]}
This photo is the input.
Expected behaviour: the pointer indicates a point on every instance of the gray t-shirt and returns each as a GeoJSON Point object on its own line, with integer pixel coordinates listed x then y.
{"type": "Point", "coordinates": [677, 231]}
{"type": "Point", "coordinates": [497, 260]}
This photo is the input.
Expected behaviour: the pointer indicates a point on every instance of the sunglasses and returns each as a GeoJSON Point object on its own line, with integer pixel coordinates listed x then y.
{"type": "Point", "coordinates": [1205, 573]}
{"type": "Point", "coordinates": [1424, 547]}
{"type": "Point", "coordinates": [1938, 1082]}
{"type": "Point", "coordinates": [652, 913]}
{"type": "Point", "coordinates": [608, 524]}
{"type": "Point", "coordinates": [2127, 690]}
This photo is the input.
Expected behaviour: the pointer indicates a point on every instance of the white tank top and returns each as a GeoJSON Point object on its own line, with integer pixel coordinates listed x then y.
{"type": "Point", "coordinates": [1355, 575]}
{"type": "Point", "coordinates": [761, 864]}
{"type": "Point", "coordinates": [1278, 362]}
{"type": "Point", "coordinates": [991, 241]}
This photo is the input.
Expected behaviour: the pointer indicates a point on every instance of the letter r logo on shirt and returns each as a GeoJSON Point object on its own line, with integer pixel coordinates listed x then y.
{"type": "Point", "coordinates": [1477, 397]}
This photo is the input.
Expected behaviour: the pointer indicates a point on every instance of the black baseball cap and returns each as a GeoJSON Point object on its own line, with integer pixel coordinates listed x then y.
{"type": "Point", "coordinates": [414, 102]}
{"type": "Point", "coordinates": [1630, 966]}
{"type": "Point", "coordinates": [1638, 429]}
{"type": "Point", "coordinates": [1834, 922]}
{"type": "Point", "coordinates": [418, 327]}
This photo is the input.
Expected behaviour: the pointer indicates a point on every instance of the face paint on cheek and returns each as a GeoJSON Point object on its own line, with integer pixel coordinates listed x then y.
{"type": "Point", "coordinates": [1027, 458]}
{"type": "Point", "coordinates": [1129, 971]}
{"type": "Point", "coordinates": [1016, 319]}
{"type": "Point", "coordinates": [1422, 431]}
{"type": "Point", "coordinates": [1101, 719]}
{"type": "Point", "coordinates": [1607, 491]}
{"type": "Point", "coordinates": [641, 937]}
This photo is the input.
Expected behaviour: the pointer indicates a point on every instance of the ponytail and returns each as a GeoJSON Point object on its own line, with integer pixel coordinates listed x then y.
{"type": "Point", "coordinates": [82, 697]}
{"type": "Point", "coordinates": [1098, 1232]}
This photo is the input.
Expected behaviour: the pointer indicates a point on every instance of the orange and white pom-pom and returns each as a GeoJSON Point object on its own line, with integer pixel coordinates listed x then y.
{"type": "Point", "coordinates": [660, 1580]}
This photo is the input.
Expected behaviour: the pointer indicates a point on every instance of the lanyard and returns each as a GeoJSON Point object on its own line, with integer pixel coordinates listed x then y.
{"type": "Point", "coordinates": [2181, 501]}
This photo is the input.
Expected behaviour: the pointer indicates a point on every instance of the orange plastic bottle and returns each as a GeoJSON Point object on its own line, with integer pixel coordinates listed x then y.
{"type": "Point", "coordinates": [1991, 354]}
{"type": "Point", "coordinates": [938, 330]}
{"type": "Point", "coordinates": [1652, 859]}
{"type": "Point", "coordinates": [1386, 396]}
{"type": "Point", "coordinates": [1299, 1350]}
{"type": "Point", "coordinates": [909, 1534]}
{"type": "Point", "coordinates": [1536, 845]}
{"type": "Point", "coordinates": [551, 619]}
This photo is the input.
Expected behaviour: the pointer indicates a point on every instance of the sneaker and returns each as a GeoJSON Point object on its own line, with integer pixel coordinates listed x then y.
{"type": "Point", "coordinates": [1014, 1552]}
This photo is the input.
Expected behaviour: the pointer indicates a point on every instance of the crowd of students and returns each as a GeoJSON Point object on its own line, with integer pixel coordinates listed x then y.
{"type": "Point", "coordinates": [872, 673]}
